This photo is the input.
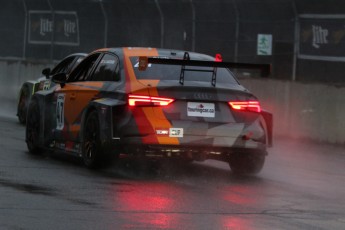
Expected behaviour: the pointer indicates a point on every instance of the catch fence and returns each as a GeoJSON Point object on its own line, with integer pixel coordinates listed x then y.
{"type": "Point", "coordinates": [304, 40]}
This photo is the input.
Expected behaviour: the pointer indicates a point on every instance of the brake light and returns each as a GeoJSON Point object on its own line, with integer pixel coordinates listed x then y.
{"type": "Point", "coordinates": [252, 106]}
{"type": "Point", "coordinates": [218, 58]}
{"type": "Point", "coordinates": [139, 100]}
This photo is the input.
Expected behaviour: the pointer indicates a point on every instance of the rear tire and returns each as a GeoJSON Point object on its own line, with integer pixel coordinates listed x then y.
{"type": "Point", "coordinates": [33, 125]}
{"type": "Point", "coordinates": [247, 163]}
{"type": "Point", "coordinates": [23, 104]}
{"type": "Point", "coordinates": [93, 153]}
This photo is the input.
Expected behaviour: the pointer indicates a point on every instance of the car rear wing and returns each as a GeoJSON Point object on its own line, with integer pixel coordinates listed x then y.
{"type": "Point", "coordinates": [265, 69]}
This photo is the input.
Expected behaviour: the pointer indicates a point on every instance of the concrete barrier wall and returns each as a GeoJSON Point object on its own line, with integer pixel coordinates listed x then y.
{"type": "Point", "coordinates": [13, 74]}
{"type": "Point", "coordinates": [310, 111]}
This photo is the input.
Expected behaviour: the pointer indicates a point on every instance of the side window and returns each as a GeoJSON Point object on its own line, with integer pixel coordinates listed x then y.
{"type": "Point", "coordinates": [83, 70]}
{"type": "Point", "coordinates": [107, 69]}
{"type": "Point", "coordinates": [63, 66]}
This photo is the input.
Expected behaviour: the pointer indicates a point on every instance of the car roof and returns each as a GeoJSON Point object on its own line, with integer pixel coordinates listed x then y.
{"type": "Point", "coordinates": [76, 54]}
{"type": "Point", "coordinates": [162, 52]}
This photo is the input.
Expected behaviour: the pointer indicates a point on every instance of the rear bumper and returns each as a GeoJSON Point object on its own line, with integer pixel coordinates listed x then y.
{"type": "Point", "coordinates": [189, 152]}
{"type": "Point", "coordinates": [268, 117]}
{"type": "Point", "coordinates": [195, 151]}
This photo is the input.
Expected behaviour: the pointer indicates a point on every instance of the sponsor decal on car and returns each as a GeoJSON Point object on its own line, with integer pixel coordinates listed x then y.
{"type": "Point", "coordinates": [171, 132]}
{"type": "Point", "coordinates": [164, 132]}
{"type": "Point", "coordinates": [60, 112]}
{"type": "Point", "coordinates": [200, 109]}
{"type": "Point", "coordinates": [176, 132]}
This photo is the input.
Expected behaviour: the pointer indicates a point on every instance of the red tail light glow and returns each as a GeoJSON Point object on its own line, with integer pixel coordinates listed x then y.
{"type": "Point", "coordinates": [252, 106]}
{"type": "Point", "coordinates": [139, 100]}
{"type": "Point", "coordinates": [218, 58]}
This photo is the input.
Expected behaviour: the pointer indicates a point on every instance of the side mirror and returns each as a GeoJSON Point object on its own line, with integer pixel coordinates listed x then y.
{"type": "Point", "coordinates": [60, 78]}
{"type": "Point", "coordinates": [46, 72]}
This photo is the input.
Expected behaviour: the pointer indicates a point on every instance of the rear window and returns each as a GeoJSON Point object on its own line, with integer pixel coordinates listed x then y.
{"type": "Point", "coordinates": [172, 72]}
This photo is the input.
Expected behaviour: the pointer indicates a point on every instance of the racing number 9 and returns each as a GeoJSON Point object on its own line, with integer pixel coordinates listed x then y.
{"type": "Point", "coordinates": [60, 111]}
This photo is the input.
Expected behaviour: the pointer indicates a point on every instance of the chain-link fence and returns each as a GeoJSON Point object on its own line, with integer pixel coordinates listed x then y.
{"type": "Point", "coordinates": [303, 39]}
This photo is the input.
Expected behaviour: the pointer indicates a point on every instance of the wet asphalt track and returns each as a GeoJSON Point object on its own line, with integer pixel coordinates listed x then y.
{"type": "Point", "coordinates": [302, 186]}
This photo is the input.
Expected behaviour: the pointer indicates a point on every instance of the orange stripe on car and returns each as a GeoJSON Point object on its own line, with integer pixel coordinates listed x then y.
{"type": "Point", "coordinates": [142, 121]}
{"type": "Point", "coordinates": [83, 93]}
{"type": "Point", "coordinates": [160, 119]}
{"type": "Point", "coordinates": [135, 86]}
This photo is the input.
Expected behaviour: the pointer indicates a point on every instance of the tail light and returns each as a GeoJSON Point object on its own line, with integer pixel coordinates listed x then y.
{"type": "Point", "coordinates": [251, 106]}
{"type": "Point", "coordinates": [218, 58]}
{"type": "Point", "coordinates": [139, 100]}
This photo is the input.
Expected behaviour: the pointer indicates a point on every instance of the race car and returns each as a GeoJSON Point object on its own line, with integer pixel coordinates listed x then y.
{"type": "Point", "coordinates": [44, 83]}
{"type": "Point", "coordinates": [154, 103]}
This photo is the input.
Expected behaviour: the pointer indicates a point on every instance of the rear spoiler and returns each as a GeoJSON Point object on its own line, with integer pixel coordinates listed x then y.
{"type": "Point", "coordinates": [144, 61]}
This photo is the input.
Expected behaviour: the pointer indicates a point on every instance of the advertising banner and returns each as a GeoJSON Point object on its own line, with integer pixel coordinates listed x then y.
{"type": "Point", "coordinates": [57, 27]}
{"type": "Point", "coordinates": [322, 37]}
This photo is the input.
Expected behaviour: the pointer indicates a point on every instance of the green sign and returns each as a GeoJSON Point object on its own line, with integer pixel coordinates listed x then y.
{"type": "Point", "coordinates": [264, 46]}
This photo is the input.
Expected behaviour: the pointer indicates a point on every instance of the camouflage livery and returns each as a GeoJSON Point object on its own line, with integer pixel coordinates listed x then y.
{"type": "Point", "coordinates": [107, 107]}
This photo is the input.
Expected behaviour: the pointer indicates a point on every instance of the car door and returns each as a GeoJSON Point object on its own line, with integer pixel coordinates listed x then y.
{"type": "Point", "coordinates": [71, 99]}
{"type": "Point", "coordinates": [87, 82]}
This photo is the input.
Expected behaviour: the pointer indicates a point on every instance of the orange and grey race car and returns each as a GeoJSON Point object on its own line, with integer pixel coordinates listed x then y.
{"type": "Point", "coordinates": [151, 102]}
